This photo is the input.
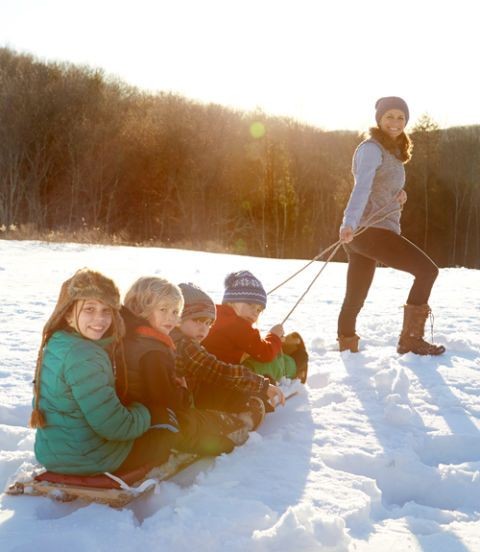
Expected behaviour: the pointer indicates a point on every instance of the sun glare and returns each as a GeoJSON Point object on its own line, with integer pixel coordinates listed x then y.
{"type": "Point", "coordinates": [321, 63]}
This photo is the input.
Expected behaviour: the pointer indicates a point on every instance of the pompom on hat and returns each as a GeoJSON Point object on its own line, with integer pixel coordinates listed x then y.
{"type": "Point", "coordinates": [197, 303]}
{"type": "Point", "coordinates": [243, 287]}
{"type": "Point", "coordinates": [382, 105]}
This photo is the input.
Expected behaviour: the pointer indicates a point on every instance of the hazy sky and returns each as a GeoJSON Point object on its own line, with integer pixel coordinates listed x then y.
{"type": "Point", "coordinates": [321, 62]}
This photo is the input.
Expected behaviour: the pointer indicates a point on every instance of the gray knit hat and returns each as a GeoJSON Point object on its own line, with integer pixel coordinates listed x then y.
{"type": "Point", "coordinates": [390, 102]}
{"type": "Point", "coordinates": [243, 287]}
{"type": "Point", "coordinates": [197, 303]}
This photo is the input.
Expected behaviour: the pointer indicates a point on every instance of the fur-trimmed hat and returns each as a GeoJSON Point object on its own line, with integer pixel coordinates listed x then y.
{"type": "Point", "coordinates": [382, 105]}
{"type": "Point", "coordinates": [243, 287]}
{"type": "Point", "coordinates": [84, 284]}
{"type": "Point", "coordinates": [197, 303]}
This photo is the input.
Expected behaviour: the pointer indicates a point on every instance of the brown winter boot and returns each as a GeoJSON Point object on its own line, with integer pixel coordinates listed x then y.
{"type": "Point", "coordinates": [348, 343]}
{"type": "Point", "coordinates": [254, 414]}
{"type": "Point", "coordinates": [294, 346]}
{"type": "Point", "coordinates": [411, 339]}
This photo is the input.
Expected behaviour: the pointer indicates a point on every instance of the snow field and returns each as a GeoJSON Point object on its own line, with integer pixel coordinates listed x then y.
{"type": "Point", "coordinates": [378, 452]}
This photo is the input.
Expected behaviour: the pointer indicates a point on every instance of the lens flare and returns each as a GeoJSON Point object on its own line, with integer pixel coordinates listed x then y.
{"type": "Point", "coordinates": [257, 129]}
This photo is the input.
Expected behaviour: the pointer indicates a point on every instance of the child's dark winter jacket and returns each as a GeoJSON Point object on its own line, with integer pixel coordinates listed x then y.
{"type": "Point", "coordinates": [198, 365]}
{"type": "Point", "coordinates": [153, 381]}
{"type": "Point", "coordinates": [231, 338]}
{"type": "Point", "coordinates": [150, 359]}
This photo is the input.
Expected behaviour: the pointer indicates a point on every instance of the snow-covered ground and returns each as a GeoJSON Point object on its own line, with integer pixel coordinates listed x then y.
{"type": "Point", "coordinates": [378, 452]}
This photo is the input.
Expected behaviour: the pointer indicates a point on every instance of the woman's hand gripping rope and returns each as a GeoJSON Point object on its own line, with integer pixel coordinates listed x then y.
{"type": "Point", "coordinates": [346, 233]}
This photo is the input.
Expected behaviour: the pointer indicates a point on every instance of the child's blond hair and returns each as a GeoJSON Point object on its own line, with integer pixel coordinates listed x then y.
{"type": "Point", "coordinates": [148, 291]}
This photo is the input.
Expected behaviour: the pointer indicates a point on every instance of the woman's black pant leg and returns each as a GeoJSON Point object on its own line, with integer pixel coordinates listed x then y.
{"type": "Point", "coordinates": [359, 279]}
{"type": "Point", "coordinates": [399, 253]}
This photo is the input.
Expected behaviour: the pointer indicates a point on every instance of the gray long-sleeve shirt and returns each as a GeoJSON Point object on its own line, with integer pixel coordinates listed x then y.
{"type": "Point", "coordinates": [378, 178]}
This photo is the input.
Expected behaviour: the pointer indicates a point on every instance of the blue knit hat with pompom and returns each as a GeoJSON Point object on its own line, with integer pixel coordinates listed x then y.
{"type": "Point", "coordinates": [243, 287]}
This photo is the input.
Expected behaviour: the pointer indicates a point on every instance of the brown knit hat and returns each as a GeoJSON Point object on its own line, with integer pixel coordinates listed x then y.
{"type": "Point", "coordinates": [84, 284]}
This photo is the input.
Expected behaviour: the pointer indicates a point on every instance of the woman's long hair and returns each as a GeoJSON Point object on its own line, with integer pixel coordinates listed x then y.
{"type": "Point", "coordinates": [401, 148]}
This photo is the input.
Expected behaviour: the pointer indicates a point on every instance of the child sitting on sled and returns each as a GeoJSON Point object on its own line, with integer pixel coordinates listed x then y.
{"type": "Point", "coordinates": [82, 426]}
{"type": "Point", "coordinates": [233, 337]}
{"type": "Point", "coordinates": [214, 384]}
{"type": "Point", "coordinates": [152, 309]}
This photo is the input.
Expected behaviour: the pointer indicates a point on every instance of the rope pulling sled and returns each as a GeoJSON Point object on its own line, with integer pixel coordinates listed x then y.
{"type": "Point", "coordinates": [334, 247]}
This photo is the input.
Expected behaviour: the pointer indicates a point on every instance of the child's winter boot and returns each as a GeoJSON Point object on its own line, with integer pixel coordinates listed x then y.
{"type": "Point", "coordinates": [238, 436]}
{"type": "Point", "coordinates": [294, 346]}
{"type": "Point", "coordinates": [234, 428]}
{"type": "Point", "coordinates": [254, 414]}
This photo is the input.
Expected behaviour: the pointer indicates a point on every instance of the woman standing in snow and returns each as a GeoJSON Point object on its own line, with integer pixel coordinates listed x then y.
{"type": "Point", "coordinates": [376, 202]}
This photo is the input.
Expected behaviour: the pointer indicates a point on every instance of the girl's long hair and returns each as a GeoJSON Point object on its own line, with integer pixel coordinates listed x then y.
{"type": "Point", "coordinates": [401, 148]}
{"type": "Point", "coordinates": [84, 284]}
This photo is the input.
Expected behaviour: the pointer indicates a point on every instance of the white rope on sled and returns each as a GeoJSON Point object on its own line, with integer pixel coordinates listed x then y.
{"type": "Point", "coordinates": [133, 490]}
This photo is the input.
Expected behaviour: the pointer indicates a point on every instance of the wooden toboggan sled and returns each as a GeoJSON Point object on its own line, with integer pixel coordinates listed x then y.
{"type": "Point", "coordinates": [114, 490]}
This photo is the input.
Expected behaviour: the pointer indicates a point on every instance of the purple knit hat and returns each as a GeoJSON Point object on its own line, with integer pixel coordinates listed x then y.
{"type": "Point", "coordinates": [390, 102]}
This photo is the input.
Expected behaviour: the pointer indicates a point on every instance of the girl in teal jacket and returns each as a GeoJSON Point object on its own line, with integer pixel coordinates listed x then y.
{"type": "Point", "coordinates": [82, 426]}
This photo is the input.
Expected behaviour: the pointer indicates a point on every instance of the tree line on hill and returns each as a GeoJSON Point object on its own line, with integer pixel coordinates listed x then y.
{"type": "Point", "coordinates": [82, 150]}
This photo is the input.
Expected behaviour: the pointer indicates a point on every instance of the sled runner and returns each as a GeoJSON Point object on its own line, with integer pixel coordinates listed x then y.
{"type": "Point", "coordinates": [114, 490]}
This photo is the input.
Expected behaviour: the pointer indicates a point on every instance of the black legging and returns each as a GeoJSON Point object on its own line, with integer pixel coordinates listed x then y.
{"type": "Point", "coordinates": [393, 250]}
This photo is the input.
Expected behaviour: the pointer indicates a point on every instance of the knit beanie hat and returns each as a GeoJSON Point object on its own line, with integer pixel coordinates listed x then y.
{"type": "Point", "coordinates": [390, 102]}
{"type": "Point", "coordinates": [84, 284]}
{"type": "Point", "coordinates": [243, 287]}
{"type": "Point", "coordinates": [197, 303]}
